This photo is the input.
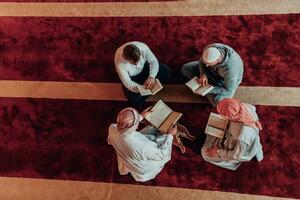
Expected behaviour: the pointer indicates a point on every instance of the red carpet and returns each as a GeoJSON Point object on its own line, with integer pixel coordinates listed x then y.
{"type": "Point", "coordinates": [82, 49]}
{"type": "Point", "coordinates": [66, 139]}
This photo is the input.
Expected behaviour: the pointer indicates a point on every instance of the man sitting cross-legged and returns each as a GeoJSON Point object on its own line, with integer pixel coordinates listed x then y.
{"type": "Point", "coordinates": [136, 65]}
{"type": "Point", "coordinates": [142, 153]}
{"type": "Point", "coordinates": [240, 144]}
{"type": "Point", "coordinates": [220, 66]}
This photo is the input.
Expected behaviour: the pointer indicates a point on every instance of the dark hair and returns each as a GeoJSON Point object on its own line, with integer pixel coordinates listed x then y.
{"type": "Point", "coordinates": [131, 52]}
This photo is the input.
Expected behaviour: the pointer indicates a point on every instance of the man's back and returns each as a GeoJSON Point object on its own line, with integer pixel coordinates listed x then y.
{"type": "Point", "coordinates": [231, 65]}
{"type": "Point", "coordinates": [143, 157]}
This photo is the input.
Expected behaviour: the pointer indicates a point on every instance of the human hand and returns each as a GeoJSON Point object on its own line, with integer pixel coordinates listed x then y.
{"type": "Point", "coordinates": [146, 111]}
{"type": "Point", "coordinates": [149, 83]}
{"type": "Point", "coordinates": [203, 80]}
{"type": "Point", "coordinates": [173, 130]}
{"type": "Point", "coordinates": [212, 152]}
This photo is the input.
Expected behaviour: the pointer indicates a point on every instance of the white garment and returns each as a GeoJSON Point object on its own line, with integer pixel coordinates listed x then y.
{"type": "Point", "coordinates": [236, 147]}
{"type": "Point", "coordinates": [138, 154]}
{"type": "Point", "coordinates": [126, 70]}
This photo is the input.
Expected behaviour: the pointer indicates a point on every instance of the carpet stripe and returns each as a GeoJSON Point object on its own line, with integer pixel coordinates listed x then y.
{"type": "Point", "coordinates": [113, 91]}
{"type": "Point", "coordinates": [36, 189]}
{"type": "Point", "coordinates": [180, 8]}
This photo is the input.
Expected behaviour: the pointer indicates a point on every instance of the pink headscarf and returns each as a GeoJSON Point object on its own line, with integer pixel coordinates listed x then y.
{"type": "Point", "coordinates": [235, 110]}
{"type": "Point", "coordinates": [127, 118]}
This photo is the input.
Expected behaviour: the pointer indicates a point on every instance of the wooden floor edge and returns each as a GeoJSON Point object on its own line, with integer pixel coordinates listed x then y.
{"type": "Point", "coordinates": [149, 9]}
{"type": "Point", "coordinates": [31, 188]}
{"type": "Point", "coordinates": [257, 95]}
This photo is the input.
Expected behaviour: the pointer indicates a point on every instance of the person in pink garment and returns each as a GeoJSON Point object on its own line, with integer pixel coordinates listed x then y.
{"type": "Point", "coordinates": [241, 141]}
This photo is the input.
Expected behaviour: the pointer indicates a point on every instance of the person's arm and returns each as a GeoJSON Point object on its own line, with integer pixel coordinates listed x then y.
{"type": "Point", "coordinates": [153, 62]}
{"type": "Point", "coordinates": [201, 68]}
{"type": "Point", "coordinates": [234, 154]}
{"type": "Point", "coordinates": [227, 91]}
{"type": "Point", "coordinates": [161, 152]}
{"type": "Point", "coordinates": [164, 148]}
{"type": "Point", "coordinates": [244, 149]}
{"type": "Point", "coordinates": [203, 80]}
{"type": "Point", "coordinates": [126, 80]}
{"type": "Point", "coordinates": [240, 153]}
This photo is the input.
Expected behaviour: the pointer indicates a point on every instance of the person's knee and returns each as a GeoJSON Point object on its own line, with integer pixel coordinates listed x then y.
{"type": "Point", "coordinates": [212, 99]}
{"type": "Point", "coordinates": [189, 70]}
{"type": "Point", "coordinates": [185, 70]}
{"type": "Point", "coordinates": [164, 72]}
{"type": "Point", "coordinates": [132, 97]}
{"type": "Point", "coordinates": [168, 71]}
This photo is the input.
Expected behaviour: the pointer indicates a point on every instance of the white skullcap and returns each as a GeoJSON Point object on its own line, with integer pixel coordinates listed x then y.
{"type": "Point", "coordinates": [211, 54]}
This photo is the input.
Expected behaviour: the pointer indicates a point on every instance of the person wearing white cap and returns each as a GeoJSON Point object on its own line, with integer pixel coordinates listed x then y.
{"type": "Point", "coordinates": [142, 153]}
{"type": "Point", "coordinates": [220, 66]}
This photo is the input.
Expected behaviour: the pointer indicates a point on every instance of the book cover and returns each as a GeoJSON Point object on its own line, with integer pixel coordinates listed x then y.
{"type": "Point", "coordinates": [162, 117]}
{"type": "Point", "coordinates": [216, 125]}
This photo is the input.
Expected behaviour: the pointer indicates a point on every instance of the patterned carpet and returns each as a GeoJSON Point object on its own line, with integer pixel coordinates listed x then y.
{"type": "Point", "coordinates": [82, 49]}
{"type": "Point", "coordinates": [66, 139]}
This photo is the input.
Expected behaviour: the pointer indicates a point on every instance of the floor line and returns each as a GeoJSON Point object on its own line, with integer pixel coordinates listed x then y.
{"type": "Point", "coordinates": [30, 188]}
{"type": "Point", "coordinates": [257, 95]}
{"type": "Point", "coordinates": [140, 9]}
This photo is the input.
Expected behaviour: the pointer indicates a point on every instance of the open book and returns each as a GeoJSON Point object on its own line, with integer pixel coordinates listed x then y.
{"type": "Point", "coordinates": [196, 87]}
{"type": "Point", "coordinates": [162, 117]}
{"type": "Point", "coordinates": [216, 125]}
{"type": "Point", "coordinates": [157, 87]}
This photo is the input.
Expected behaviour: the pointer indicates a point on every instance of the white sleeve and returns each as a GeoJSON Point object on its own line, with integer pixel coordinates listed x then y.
{"type": "Point", "coordinates": [153, 62]}
{"type": "Point", "coordinates": [126, 80]}
{"type": "Point", "coordinates": [243, 150]}
{"type": "Point", "coordinates": [161, 152]}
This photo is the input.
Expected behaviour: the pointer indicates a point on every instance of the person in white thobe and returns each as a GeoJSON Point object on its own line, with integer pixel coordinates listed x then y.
{"type": "Point", "coordinates": [241, 142]}
{"type": "Point", "coordinates": [143, 153]}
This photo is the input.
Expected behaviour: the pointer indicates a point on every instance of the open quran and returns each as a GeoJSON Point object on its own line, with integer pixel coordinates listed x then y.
{"type": "Point", "coordinates": [157, 87]}
{"type": "Point", "coordinates": [197, 88]}
{"type": "Point", "coordinates": [216, 125]}
{"type": "Point", "coordinates": [162, 117]}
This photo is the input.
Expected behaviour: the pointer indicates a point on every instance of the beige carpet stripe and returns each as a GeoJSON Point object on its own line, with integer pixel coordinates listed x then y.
{"type": "Point", "coordinates": [177, 8]}
{"type": "Point", "coordinates": [278, 96]}
{"type": "Point", "coordinates": [37, 189]}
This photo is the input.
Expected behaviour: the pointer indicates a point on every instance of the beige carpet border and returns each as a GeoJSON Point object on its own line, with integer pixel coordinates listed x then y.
{"type": "Point", "coordinates": [277, 96]}
{"type": "Point", "coordinates": [36, 189]}
{"type": "Point", "coordinates": [140, 9]}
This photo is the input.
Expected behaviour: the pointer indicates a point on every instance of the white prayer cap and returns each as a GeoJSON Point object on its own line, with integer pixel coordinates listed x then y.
{"type": "Point", "coordinates": [211, 54]}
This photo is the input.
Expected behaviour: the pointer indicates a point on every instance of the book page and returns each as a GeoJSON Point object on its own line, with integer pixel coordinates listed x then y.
{"type": "Point", "coordinates": [204, 90]}
{"type": "Point", "coordinates": [159, 114]}
{"type": "Point", "coordinates": [157, 87]}
{"type": "Point", "coordinates": [143, 91]}
{"type": "Point", "coordinates": [217, 121]}
{"type": "Point", "coordinates": [170, 121]}
{"type": "Point", "coordinates": [219, 133]}
{"type": "Point", "coordinates": [193, 84]}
